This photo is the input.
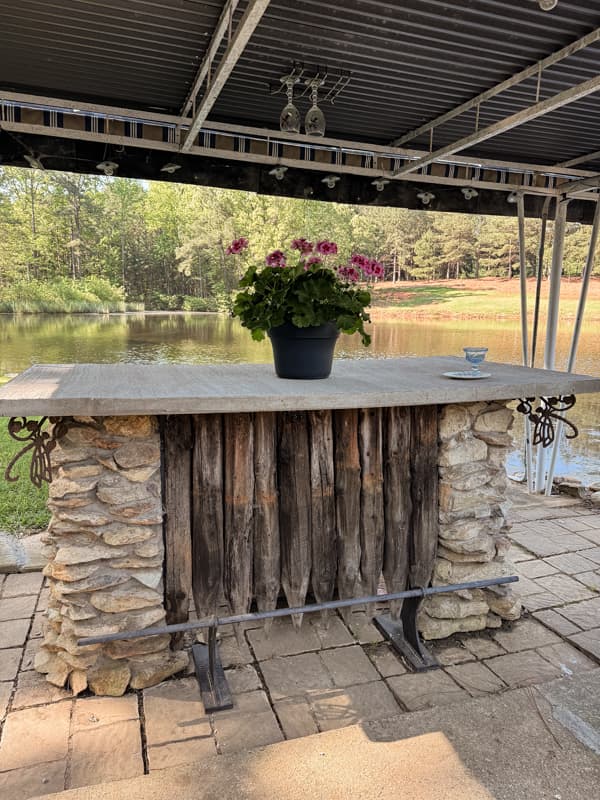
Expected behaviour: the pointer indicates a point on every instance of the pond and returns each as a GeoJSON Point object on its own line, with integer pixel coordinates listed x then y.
{"type": "Point", "coordinates": [213, 338]}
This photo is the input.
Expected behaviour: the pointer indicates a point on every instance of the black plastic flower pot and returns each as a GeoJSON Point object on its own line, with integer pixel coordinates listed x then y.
{"type": "Point", "coordinates": [303, 353]}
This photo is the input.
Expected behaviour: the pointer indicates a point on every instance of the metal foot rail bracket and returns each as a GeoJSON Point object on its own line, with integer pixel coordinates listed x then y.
{"type": "Point", "coordinates": [403, 635]}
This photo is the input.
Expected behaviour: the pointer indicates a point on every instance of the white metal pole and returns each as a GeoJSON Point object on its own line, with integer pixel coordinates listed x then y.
{"type": "Point", "coordinates": [585, 285]}
{"type": "Point", "coordinates": [558, 249]}
{"type": "Point", "coordinates": [524, 331]}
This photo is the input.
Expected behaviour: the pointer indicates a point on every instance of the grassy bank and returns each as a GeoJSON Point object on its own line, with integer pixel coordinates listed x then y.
{"type": "Point", "coordinates": [487, 298]}
{"type": "Point", "coordinates": [22, 506]}
{"type": "Point", "coordinates": [62, 296]}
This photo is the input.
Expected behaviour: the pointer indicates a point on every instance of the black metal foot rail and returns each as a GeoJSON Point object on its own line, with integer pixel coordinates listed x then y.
{"type": "Point", "coordinates": [403, 634]}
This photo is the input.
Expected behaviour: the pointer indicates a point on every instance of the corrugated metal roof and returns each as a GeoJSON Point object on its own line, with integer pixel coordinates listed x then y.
{"type": "Point", "coordinates": [414, 60]}
{"type": "Point", "coordinates": [410, 62]}
{"type": "Point", "coordinates": [138, 53]}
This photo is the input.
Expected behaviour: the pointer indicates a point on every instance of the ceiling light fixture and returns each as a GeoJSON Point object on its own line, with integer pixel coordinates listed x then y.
{"type": "Point", "coordinates": [107, 167]}
{"type": "Point", "coordinates": [278, 172]}
{"type": "Point", "coordinates": [171, 167]}
{"type": "Point", "coordinates": [512, 197]}
{"type": "Point", "coordinates": [330, 181]}
{"type": "Point", "coordinates": [426, 197]}
{"type": "Point", "coordinates": [469, 193]}
{"type": "Point", "coordinates": [547, 5]}
{"type": "Point", "coordinates": [380, 183]}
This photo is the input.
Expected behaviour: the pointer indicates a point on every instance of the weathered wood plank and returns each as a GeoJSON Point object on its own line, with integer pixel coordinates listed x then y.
{"type": "Point", "coordinates": [207, 513]}
{"type": "Point", "coordinates": [347, 502]}
{"type": "Point", "coordinates": [294, 507]}
{"type": "Point", "coordinates": [323, 527]}
{"type": "Point", "coordinates": [397, 500]}
{"type": "Point", "coordinates": [239, 518]}
{"type": "Point", "coordinates": [176, 443]}
{"type": "Point", "coordinates": [267, 562]}
{"type": "Point", "coordinates": [424, 494]}
{"type": "Point", "coordinates": [372, 527]}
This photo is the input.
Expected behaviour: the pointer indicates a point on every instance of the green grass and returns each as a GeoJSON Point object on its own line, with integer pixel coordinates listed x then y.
{"type": "Point", "coordinates": [476, 299]}
{"type": "Point", "coordinates": [62, 295]}
{"type": "Point", "coordinates": [22, 506]}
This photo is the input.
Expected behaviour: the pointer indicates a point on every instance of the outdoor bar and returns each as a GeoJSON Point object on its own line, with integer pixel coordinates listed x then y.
{"type": "Point", "coordinates": [229, 485]}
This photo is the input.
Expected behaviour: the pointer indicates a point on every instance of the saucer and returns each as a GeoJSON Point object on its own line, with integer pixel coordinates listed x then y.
{"type": "Point", "coordinates": [467, 375]}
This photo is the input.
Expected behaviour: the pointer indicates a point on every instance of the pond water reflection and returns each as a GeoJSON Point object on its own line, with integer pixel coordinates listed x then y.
{"type": "Point", "coordinates": [214, 338]}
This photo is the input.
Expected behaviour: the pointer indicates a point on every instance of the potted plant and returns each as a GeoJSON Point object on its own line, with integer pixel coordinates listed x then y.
{"type": "Point", "coordinates": [302, 302]}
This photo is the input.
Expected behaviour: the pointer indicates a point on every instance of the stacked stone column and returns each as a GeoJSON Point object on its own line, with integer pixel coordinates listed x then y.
{"type": "Point", "coordinates": [106, 552]}
{"type": "Point", "coordinates": [474, 440]}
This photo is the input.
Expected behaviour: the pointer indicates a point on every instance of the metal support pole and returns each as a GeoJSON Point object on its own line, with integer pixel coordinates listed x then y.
{"type": "Point", "coordinates": [524, 331]}
{"type": "Point", "coordinates": [585, 284]}
{"type": "Point", "coordinates": [558, 249]}
{"type": "Point", "coordinates": [539, 278]}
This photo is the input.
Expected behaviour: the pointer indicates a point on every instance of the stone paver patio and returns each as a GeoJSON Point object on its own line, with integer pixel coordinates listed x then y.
{"type": "Point", "coordinates": [291, 684]}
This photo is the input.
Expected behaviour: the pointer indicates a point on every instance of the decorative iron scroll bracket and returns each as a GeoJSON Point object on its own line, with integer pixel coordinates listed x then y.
{"type": "Point", "coordinates": [550, 410]}
{"type": "Point", "coordinates": [40, 442]}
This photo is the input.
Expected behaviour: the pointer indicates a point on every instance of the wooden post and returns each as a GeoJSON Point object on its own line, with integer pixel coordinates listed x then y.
{"type": "Point", "coordinates": [424, 494]}
{"type": "Point", "coordinates": [347, 500]}
{"type": "Point", "coordinates": [294, 507]}
{"type": "Point", "coordinates": [239, 502]}
{"type": "Point", "coordinates": [267, 563]}
{"type": "Point", "coordinates": [176, 445]}
{"type": "Point", "coordinates": [323, 527]}
{"type": "Point", "coordinates": [397, 501]}
{"type": "Point", "coordinates": [207, 513]}
{"type": "Point", "coordinates": [372, 528]}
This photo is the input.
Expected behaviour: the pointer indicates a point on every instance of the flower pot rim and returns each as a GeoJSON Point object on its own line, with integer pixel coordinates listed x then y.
{"type": "Point", "coordinates": [288, 330]}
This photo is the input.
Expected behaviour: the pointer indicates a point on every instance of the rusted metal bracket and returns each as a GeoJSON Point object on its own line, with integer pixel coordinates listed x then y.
{"type": "Point", "coordinates": [403, 636]}
{"type": "Point", "coordinates": [40, 442]}
{"type": "Point", "coordinates": [210, 675]}
{"type": "Point", "coordinates": [549, 411]}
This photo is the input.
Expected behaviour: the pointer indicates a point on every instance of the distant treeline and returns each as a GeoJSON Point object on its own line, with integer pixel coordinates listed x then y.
{"type": "Point", "coordinates": [164, 244]}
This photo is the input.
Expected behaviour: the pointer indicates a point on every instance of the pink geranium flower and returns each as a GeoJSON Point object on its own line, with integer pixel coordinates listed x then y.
{"type": "Point", "coordinates": [303, 245]}
{"type": "Point", "coordinates": [359, 261]}
{"type": "Point", "coordinates": [276, 259]}
{"type": "Point", "coordinates": [237, 246]}
{"type": "Point", "coordinates": [312, 261]}
{"type": "Point", "coordinates": [350, 273]}
{"type": "Point", "coordinates": [327, 248]}
{"type": "Point", "coordinates": [377, 269]}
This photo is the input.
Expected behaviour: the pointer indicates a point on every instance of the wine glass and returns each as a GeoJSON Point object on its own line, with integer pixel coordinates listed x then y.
{"type": "Point", "coordinates": [314, 122]}
{"type": "Point", "coordinates": [475, 356]}
{"type": "Point", "coordinates": [289, 119]}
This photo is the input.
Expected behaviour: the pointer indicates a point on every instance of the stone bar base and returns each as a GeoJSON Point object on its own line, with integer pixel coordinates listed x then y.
{"type": "Point", "coordinates": [474, 440]}
{"type": "Point", "coordinates": [106, 547]}
{"type": "Point", "coordinates": [106, 558]}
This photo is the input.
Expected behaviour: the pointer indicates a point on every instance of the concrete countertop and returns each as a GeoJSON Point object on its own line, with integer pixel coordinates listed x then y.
{"type": "Point", "coordinates": [107, 389]}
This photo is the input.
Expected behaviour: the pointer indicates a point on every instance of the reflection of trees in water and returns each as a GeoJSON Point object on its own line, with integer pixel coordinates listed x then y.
{"type": "Point", "coordinates": [214, 338]}
{"type": "Point", "coordinates": [54, 338]}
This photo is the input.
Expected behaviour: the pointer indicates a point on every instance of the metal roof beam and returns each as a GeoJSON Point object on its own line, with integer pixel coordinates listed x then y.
{"type": "Point", "coordinates": [223, 25]}
{"type": "Point", "coordinates": [580, 159]}
{"type": "Point", "coordinates": [528, 72]}
{"type": "Point", "coordinates": [109, 113]}
{"type": "Point", "coordinates": [214, 84]}
{"type": "Point", "coordinates": [581, 185]}
{"type": "Point", "coordinates": [272, 161]}
{"type": "Point", "coordinates": [526, 115]}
